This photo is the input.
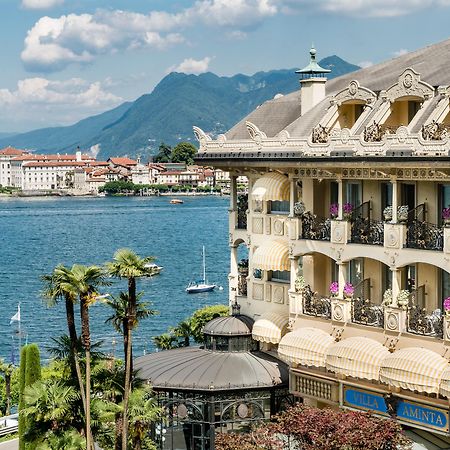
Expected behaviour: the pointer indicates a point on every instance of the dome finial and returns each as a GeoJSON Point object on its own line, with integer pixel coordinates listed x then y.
{"type": "Point", "coordinates": [313, 69]}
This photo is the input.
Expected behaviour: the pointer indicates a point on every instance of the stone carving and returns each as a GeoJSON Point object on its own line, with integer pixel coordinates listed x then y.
{"type": "Point", "coordinates": [373, 133]}
{"type": "Point", "coordinates": [284, 136]}
{"type": "Point", "coordinates": [402, 134]}
{"type": "Point", "coordinates": [409, 84]}
{"type": "Point", "coordinates": [221, 139]}
{"type": "Point", "coordinates": [201, 137]}
{"type": "Point", "coordinates": [345, 135]}
{"type": "Point", "coordinates": [255, 133]}
{"type": "Point", "coordinates": [355, 92]}
{"type": "Point", "coordinates": [338, 312]}
{"type": "Point", "coordinates": [434, 132]}
{"type": "Point", "coordinates": [278, 227]}
{"type": "Point", "coordinates": [320, 134]}
{"type": "Point", "coordinates": [392, 321]}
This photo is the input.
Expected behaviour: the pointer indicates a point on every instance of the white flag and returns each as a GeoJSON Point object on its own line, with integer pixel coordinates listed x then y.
{"type": "Point", "coordinates": [16, 316]}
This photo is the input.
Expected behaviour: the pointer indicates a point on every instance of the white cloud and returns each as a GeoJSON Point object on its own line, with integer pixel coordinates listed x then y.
{"type": "Point", "coordinates": [41, 4]}
{"type": "Point", "coordinates": [55, 101]}
{"type": "Point", "coordinates": [400, 52]}
{"type": "Point", "coordinates": [192, 66]}
{"type": "Point", "coordinates": [365, 64]}
{"type": "Point", "coordinates": [54, 43]}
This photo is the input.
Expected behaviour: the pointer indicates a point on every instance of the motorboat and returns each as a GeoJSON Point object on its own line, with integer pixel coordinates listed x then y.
{"type": "Point", "coordinates": [155, 268]}
{"type": "Point", "coordinates": [201, 285]}
{"type": "Point", "coordinates": [176, 201]}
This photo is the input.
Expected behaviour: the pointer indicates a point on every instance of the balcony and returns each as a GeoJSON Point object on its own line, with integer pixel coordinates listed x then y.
{"type": "Point", "coordinates": [315, 305]}
{"type": "Point", "coordinates": [315, 228]}
{"type": "Point", "coordinates": [364, 312]}
{"type": "Point", "coordinates": [419, 320]}
{"type": "Point", "coordinates": [421, 234]}
{"type": "Point", "coordinates": [364, 230]}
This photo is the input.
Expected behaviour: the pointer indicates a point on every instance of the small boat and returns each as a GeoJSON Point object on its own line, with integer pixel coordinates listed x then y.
{"type": "Point", "coordinates": [155, 268]}
{"type": "Point", "coordinates": [176, 201]}
{"type": "Point", "coordinates": [201, 285]}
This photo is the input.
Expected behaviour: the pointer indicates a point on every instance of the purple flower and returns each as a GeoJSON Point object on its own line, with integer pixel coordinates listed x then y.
{"type": "Point", "coordinates": [348, 208]}
{"type": "Point", "coordinates": [446, 213]}
{"type": "Point", "coordinates": [334, 288]}
{"type": "Point", "coordinates": [348, 289]}
{"type": "Point", "coordinates": [334, 209]}
{"type": "Point", "coordinates": [447, 304]}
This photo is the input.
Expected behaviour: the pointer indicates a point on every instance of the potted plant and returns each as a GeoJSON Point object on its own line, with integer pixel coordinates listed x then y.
{"type": "Point", "coordinates": [387, 213]}
{"type": "Point", "coordinates": [299, 209]}
{"type": "Point", "coordinates": [402, 213]}
{"type": "Point", "coordinates": [387, 297]}
{"type": "Point", "coordinates": [334, 210]}
{"type": "Point", "coordinates": [447, 307]}
{"type": "Point", "coordinates": [446, 216]}
{"type": "Point", "coordinates": [403, 298]}
{"type": "Point", "coordinates": [300, 283]}
{"type": "Point", "coordinates": [347, 210]}
{"type": "Point", "coordinates": [348, 290]}
{"type": "Point", "coordinates": [334, 289]}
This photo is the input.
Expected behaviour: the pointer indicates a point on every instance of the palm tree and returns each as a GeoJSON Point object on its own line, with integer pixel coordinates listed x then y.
{"type": "Point", "coordinates": [7, 370]}
{"type": "Point", "coordinates": [183, 330]}
{"type": "Point", "coordinates": [127, 264]}
{"type": "Point", "coordinates": [165, 341]}
{"type": "Point", "coordinates": [85, 281]}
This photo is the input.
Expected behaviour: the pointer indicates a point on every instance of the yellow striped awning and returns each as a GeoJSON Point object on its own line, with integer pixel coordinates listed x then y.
{"type": "Point", "coordinates": [270, 328]}
{"type": "Point", "coordinates": [305, 346]}
{"type": "Point", "coordinates": [272, 255]}
{"type": "Point", "coordinates": [414, 368]}
{"type": "Point", "coordinates": [271, 186]}
{"type": "Point", "coordinates": [358, 357]}
{"type": "Point", "coordinates": [444, 388]}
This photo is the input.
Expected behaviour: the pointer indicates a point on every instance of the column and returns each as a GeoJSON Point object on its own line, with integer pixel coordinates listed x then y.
{"type": "Point", "coordinates": [233, 276]}
{"type": "Point", "coordinates": [395, 200]}
{"type": "Point", "coordinates": [233, 192]}
{"type": "Point", "coordinates": [340, 198]}
{"type": "Point", "coordinates": [342, 277]}
{"type": "Point", "coordinates": [294, 270]}
{"type": "Point", "coordinates": [292, 196]}
{"type": "Point", "coordinates": [396, 284]}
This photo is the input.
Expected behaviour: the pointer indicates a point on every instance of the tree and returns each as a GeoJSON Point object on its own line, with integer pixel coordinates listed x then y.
{"type": "Point", "coordinates": [183, 330]}
{"type": "Point", "coordinates": [184, 152]}
{"type": "Point", "coordinates": [7, 370]}
{"type": "Point", "coordinates": [164, 153]}
{"type": "Point", "coordinates": [127, 264]}
{"type": "Point", "coordinates": [165, 341]}
{"type": "Point", "coordinates": [201, 317]}
{"type": "Point", "coordinates": [22, 423]}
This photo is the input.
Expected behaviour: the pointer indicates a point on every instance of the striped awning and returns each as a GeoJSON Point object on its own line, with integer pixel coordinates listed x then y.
{"type": "Point", "coordinates": [414, 368]}
{"type": "Point", "coordinates": [270, 328]}
{"type": "Point", "coordinates": [305, 346]}
{"type": "Point", "coordinates": [358, 357]}
{"type": "Point", "coordinates": [444, 388]}
{"type": "Point", "coordinates": [272, 255]}
{"type": "Point", "coordinates": [272, 186]}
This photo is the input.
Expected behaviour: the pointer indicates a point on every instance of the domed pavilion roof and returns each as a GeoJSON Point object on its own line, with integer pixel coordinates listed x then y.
{"type": "Point", "coordinates": [237, 325]}
{"type": "Point", "coordinates": [197, 369]}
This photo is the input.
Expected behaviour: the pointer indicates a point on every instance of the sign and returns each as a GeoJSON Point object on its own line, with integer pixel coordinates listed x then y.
{"type": "Point", "coordinates": [406, 411]}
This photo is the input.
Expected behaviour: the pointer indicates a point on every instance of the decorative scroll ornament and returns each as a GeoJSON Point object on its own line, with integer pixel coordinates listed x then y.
{"type": "Point", "coordinates": [201, 136]}
{"type": "Point", "coordinates": [284, 136]}
{"type": "Point", "coordinates": [221, 139]}
{"type": "Point", "coordinates": [320, 135]}
{"type": "Point", "coordinates": [434, 132]}
{"type": "Point", "coordinates": [409, 84]}
{"type": "Point", "coordinates": [255, 133]}
{"type": "Point", "coordinates": [354, 92]}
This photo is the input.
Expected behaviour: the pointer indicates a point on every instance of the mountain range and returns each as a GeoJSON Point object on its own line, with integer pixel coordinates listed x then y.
{"type": "Point", "coordinates": [168, 113]}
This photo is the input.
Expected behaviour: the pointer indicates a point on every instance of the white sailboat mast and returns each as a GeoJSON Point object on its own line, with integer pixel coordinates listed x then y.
{"type": "Point", "coordinates": [204, 266]}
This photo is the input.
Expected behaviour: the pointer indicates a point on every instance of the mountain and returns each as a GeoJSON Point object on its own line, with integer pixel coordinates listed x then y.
{"type": "Point", "coordinates": [168, 113]}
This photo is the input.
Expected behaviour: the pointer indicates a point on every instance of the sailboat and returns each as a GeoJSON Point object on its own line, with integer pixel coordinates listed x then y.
{"type": "Point", "coordinates": [202, 284]}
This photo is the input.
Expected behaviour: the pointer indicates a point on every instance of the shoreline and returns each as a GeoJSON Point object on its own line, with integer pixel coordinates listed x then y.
{"type": "Point", "coordinates": [66, 194]}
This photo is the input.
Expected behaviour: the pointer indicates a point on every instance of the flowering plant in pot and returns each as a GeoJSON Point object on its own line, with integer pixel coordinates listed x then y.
{"type": "Point", "coordinates": [446, 216]}
{"type": "Point", "coordinates": [334, 210]}
{"type": "Point", "coordinates": [334, 289]}
{"type": "Point", "coordinates": [403, 298]}
{"type": "Point", "coordinates": [299, 209]}
{"type": "Point", "coordinates": [387, 297]}
{"type": "Point", "coordinates": [300, 283]}
{"type": "Point", "coordinates": [347, 209]}
{"type": "Point", "coordinates": [402, 213]}
{"type": "Point", "coordinates": [387, 213]}
{"type": "Point", "coordinates": [447, 307]}
{"type": "Point", "coordinates": [348, 290]}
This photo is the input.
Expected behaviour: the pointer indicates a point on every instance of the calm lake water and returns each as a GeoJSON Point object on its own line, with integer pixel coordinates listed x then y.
{"type": "Point", "coordinates": [37, 234]}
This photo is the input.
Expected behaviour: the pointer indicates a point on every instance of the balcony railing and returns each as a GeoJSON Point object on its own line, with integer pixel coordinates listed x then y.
{"type": "Point", "coordinates": [419, 320]}
{"type": "Point", "coordinates": [363, 310]}
{"type": "Point", "coordinates": [314, 305]}
{"type": "Point", "coordinates": [424, 235]}
{"type": "Point", "coordinates": [316, 228]}
{"type": "Point", "coordinates": [366, 231]}
{"type": "Point", "coordinates": [242, 207]}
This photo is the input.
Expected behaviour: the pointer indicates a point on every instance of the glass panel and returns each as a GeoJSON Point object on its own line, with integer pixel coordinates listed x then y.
{"type": "Point", "coordinates": [445, 284]}
{"type": "Point", "coordinates": [409, 195]}
{"type": "Point", "coordinates": [444, 200]}
{"type": "Point", "coordinates": [279, 207]}
{"type": "Point", "coordinates": [353, 193]}
{"type": "Point", "coordinates": [387, 278]}
{"type": "Point", "coordinates": [334, 190]}
{"type": "Point", "coordinates": [280, 276]}
{"type": "Point", "coordinates": [386, 195]}
{"type": "Point", "coordinates": [356, 271]}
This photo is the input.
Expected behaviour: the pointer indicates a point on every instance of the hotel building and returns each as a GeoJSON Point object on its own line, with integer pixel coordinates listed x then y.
{"type": "Point", "coordinates": [348, 233]}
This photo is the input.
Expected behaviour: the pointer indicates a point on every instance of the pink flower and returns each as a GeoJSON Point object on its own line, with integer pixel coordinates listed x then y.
{"type": "Point", "coordinates": [334, 288]}
{"type": "Point", "coordinates": [447, 304]}
{"type": "Point", "coordinates": [334, 209]}
{"type": "Point", "coordinates": [349, 289]}
{"type": "Point", "coordinates": [348, 208]}
{"type": "Point", "coordinates": [446, 213]}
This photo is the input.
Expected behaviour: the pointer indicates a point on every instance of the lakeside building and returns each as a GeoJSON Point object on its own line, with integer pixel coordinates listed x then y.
{"type": "Point", "coordinates": [6, 155]}
{"type": "Point", "coordinates": [348, 230]}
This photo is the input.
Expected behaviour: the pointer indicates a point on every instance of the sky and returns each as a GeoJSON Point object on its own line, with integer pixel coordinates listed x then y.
{"type": "Point", "coordinates": [64, 60]}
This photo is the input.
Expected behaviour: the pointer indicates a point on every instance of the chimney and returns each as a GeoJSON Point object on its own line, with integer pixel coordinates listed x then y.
{"type": "Point", "coordinates": [312, 83]}
{"type": "Point", "coordinates": [78, 154]}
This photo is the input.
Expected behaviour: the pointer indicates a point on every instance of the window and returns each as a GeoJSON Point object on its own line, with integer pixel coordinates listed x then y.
{"type": "Point", "coordinates": [353, 194]}
{"type": "Point", "coordinates": [386, 195]}
{"type": "Point", "coordinates": [444, 200]}
{"type": "Point", "coordinates": [279, 207]}
{"type": "Point", "coordinates": [356, 271]}
{"type": "Point", "coordinates": [334, 192]}
{"type": "Point", "coordinates": [280, 276]}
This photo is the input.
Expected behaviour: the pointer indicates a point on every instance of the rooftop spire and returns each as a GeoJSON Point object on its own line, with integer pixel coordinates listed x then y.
{"type": "Point", "coordinates": [312, 69]}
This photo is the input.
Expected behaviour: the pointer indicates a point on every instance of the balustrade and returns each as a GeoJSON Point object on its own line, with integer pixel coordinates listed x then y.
{"type": "Point", "coordinates": [314, 305]}
{"type": "Point", "coordinates": [316, 228]}
{"type": "Point", "coordinates": [363, 310]}
{"type": "Point", "coordinates": [424, 235]}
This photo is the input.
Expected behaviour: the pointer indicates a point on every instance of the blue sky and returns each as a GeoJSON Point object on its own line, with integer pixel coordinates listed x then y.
{"type": "Point", "coordinates": [63, 60]}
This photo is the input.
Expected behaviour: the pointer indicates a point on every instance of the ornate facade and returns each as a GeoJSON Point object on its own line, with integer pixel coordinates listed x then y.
{"type": "Point", "coordinates": [347, 226]}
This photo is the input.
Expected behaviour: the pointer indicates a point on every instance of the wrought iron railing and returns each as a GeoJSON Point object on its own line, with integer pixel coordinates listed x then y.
{"type": "Point", "coordinates": [366, 231]}
{"type": "Point", "coordinates": [315, 305]}
{"type": "Point", "coordinates": [363, 310]}
{"type": "Point", "coordinates": [419, 320]}
{"type": "Point", "coordinates": [424, 235]}
{"type": "Point", "coordinates": [242, 207]}
{"type": "Point", "coordinates": [242, 282]}
{"type": "Point", "coordinates": [316, 228]}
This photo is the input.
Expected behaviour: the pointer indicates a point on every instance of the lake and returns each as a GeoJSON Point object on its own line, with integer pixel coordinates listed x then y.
{"type": "Point", "coordinates": [39, 233]}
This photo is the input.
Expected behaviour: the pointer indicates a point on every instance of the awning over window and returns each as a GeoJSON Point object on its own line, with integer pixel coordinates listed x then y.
{"type": "Point", "coordinates": [444, 388]}
{"type": "Point", "coordinates": [358, 357]}
{"type": "Point", "coordinates": [305, 346]}
{"type": "Point", "coordinates": [414, 368]}
{"type": "Point", "coordinates": [270, 328]}
{"type": "Point", "coordinates": [272, 255]}
{"type": "Point", "coordinates": [272, 186]}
